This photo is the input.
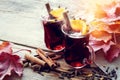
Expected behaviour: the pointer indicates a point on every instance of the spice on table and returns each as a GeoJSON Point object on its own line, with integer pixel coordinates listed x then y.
{"type": "Point", "coordinates": [56, 57]}
{"type": "Point", "coordinates": [113, 74]}
{"type": "Point", "coordinates": [107, 69]}
{"type": "Point", "coordinates": [35, 59]}
{"type": "Point", "coordinates": [87, 73]}
{"type": "Point", "coordinates": [53, 56]}
{"type": "Point", "coordinates": [46, 58]}
{"type": "Point", "coordinates": [116, 68]}
{"type": "Point", "coordinates": [36, 67]}
{"type": "Point", "coordinates": [26, 62]}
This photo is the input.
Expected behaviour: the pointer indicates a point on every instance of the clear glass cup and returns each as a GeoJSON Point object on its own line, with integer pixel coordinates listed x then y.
{"type": "Point", "coordinates": [53, 36]}
{"type": "Point", "coordinates": [77, 52]}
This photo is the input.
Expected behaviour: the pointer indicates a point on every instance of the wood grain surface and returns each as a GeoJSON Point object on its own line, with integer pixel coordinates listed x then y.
{"type": "Point", "coordinates": [20, 21]}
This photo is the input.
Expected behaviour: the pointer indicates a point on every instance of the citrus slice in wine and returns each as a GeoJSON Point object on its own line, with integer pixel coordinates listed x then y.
{"type": "Point", "coordinates": [58, 13]}
{"type": "Point", "coordinates": [79, 26]}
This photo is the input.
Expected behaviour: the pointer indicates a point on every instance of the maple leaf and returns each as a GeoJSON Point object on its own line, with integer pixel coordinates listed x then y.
{"type": "Point", "coordinates": [97, 45]}
{"type": "Point", "coordinates": [109, 12]}
{"type": "Point", "coordinates": [110, 9]}
{"type": "Point", "coordinates": [117, 11]}
{"type": "Point", "coordinates": [112, 53]}
{"type": "Point", "coordinates": [9, 61]}
{"type": "Point", "coordinates": [6, 47]}
{"type": "Point", "coordinates": [116, 38]}
{"type": "Point", "coordinates": [114, 27]}
{"type": "Point", "coordinates": [100, 35]}
{"type": "Point", "coordinates": [97, 25]}
{"type": "Point", "coordinates": [104, 27]}
{"type": "Point", "coordinates": [110, 49]}
{"type": "Point", "coordinates": [99, 12]}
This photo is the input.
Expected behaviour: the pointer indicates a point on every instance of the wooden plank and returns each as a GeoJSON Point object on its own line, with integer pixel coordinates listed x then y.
{"type": "Point", "coordinates": [20, 21]}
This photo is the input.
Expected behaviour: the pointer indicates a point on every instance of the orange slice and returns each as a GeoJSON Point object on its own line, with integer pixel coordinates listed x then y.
{"type": "Point", "coordinates": [58, 13]}
{"type": "Point", "coordinates": [85, 29]}
{"type": "Point", "coordinates": [79, 26]}
{"type": "Point", "coordinates": [76, 25]}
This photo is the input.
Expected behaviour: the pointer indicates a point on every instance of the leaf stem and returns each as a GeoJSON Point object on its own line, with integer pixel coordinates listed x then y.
{"type": "Point", "coordinates": [114, 37]}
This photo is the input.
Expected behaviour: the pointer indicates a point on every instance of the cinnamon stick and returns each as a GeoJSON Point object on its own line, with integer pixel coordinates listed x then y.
{"type": "Point", "coordinates": [48, 10]}
{"type": "Point", "coordinates": [35, 59]}
{"type": "Point", "coordinates": [41, 51]}
{"type": "Point", "coordinates": [46, 58]}
{"type": "Point", "coordinates": [56, 57]}
{"type": "Point", "coordinates": [67, 21]}
{"type": "Point", "coordinates": [53, 56]}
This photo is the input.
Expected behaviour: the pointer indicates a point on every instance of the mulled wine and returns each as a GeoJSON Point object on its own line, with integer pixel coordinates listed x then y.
{"type": "Point", "coordinates": [77, 53]}
{"type": "Point", "coordinates": [53, 36]}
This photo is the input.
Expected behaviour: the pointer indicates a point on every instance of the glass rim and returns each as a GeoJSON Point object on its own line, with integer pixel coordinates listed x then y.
{"type": "Point", "coordinates": [48, 19]}
{"type": "Point", "coordinates": [73, 34]}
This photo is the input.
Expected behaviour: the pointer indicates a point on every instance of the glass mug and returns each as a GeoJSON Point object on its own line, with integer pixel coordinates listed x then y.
{"type": "Point", "coordinates": [53, 36]}
{"type": "Point", "coordinates": [77, 52]}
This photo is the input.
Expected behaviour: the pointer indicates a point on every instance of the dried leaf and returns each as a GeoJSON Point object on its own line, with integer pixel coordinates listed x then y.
{"type": "Point", "coordinates": [107, 22]}
{"type": "Point", "coordinates": [117, 11]}
{"type": "Point", "coordinates": [111, 11]}
{"type": "Point", "coordinates": [100, 35]}
{"type": "Point", "coordinates": [9, 61]}
{"type": "Point", "coordinates": [112, 53]}
{"type": "Point", "coordinates": [99, 12]}
{"type": "Point", "coordinates": [98, 25]}
{"type": "Point", "coordinates": [97, 45]}
{"type": "Point", "coordinates": [114, 27]}
{"type": "Point", "coordinates": [6, 47]}
{"type": "Point", "coordinates": [110, 49]}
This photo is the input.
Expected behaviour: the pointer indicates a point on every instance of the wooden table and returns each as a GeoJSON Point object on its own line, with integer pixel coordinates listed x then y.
{"type": "Point", "coordinates": [20, 21]}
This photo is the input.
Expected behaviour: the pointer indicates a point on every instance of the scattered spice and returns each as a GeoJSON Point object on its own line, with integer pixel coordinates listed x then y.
{"type": "Point", "coordinates": [104, 66]}
{"type": "Point", "coordinates": [107, 69]}
{"type": "Point", "coordinates": [46, 58]}
{"type": "Point", "coordinates": [36, 67]}
{"type": "Point", "coordinates": [116, 68]}
{"type": "Point", "coordinates": [87, 73]}
{"type": "Point", "coordinates": [56, 57]}
{"type": "Point", "coordinates": [26, 63]}
{"type": "Point", "coordinates": [113, 74]}
{"type": "Point", "coordinates": [35, 59]}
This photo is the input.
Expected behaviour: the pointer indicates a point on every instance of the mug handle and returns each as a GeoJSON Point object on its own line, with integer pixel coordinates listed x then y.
{"type": "Point", "coordinates": [91, 57]}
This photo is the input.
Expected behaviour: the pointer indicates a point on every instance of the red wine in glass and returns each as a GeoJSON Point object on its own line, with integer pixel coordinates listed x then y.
{"type": "Point", "coordinates": [77, 52]}
{"type": "Point", "coordinates": [53, 36]}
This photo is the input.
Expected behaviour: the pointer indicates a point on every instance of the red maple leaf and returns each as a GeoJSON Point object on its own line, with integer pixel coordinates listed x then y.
{"type": "Point", "coordinates": [6, 47]}
{"type": "Point", "coordinates": [110, 12]}
{"type": "Point", "coordinates": [97, 45]}
{"type": "Point", "coordinates": [112, 53]}
{"type": "Point", "coordinates": [9, 61]}
{"type": "Point", "coordinates": [110, 49]}
{"type": "Point", "coordinates": [114, 27]}
{"type": "Point", "coordinates": [107, 25]}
